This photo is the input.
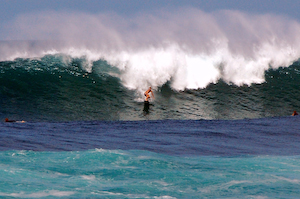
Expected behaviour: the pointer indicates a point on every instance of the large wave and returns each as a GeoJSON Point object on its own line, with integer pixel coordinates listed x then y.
{"type": "Point", "coordinates": [188, 48]}
{"type": "Point", "coordinates": [58, 88]}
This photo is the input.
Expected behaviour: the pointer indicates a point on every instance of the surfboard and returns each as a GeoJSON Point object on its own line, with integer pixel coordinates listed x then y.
{"type": "Point", "coordinates": [146, 106]}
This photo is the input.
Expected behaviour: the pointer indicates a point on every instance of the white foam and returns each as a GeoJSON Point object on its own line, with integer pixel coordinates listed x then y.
{"type": "Point", "coordinates": [164, 197]}
{"type": "Point", "coordinates": [88, 177]}
{"type": "Point", "coordinates": [188, 48]}
{"type": "Point", "coordinates": [295, 181]}
{"type": "Point", "coordinates": [39, 194]}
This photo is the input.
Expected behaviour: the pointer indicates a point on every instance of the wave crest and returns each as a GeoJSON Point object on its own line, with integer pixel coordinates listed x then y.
{"type": "Point", "coordinates": [189, 48]}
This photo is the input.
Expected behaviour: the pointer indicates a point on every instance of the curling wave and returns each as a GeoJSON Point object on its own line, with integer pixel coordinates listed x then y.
{"type": "Point", "coordinates": [59, 88]}
{"type": "Point", "coordinates": [188, 48]}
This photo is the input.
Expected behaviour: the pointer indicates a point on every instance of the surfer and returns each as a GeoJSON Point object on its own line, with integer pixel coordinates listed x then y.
{"type": "Point", "coordinates": [7, 120]}
{"type": "Point", "coordinates": [147, 94]}
{"type": "Point", "coordinates": [294, 113]}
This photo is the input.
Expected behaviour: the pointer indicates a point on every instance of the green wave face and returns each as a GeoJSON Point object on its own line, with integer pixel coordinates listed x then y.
{"type": "Point", "coordinates": [53, 89]}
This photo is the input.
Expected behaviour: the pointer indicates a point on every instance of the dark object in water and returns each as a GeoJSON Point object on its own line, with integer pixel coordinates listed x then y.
{"type": "Point", "coordinates": [146, 106]}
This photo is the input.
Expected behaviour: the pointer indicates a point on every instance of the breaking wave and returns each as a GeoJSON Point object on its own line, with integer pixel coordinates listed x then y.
{"type": "Point", "coordinates": [189, 48]}
{"type": "Point", "coordinates": [60, 88]}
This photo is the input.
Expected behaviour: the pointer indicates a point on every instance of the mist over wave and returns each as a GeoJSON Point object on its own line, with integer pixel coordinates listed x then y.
{"type": "Point", "coordinates": [187, 48]}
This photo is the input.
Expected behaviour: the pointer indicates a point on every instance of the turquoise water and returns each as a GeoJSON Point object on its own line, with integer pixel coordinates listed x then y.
{"type": "Point", "coordinates": [103, 173]}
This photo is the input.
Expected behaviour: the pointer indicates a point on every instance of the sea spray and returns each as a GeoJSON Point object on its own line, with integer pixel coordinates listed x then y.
{"type": "Point", "coordinates": [190, 49]}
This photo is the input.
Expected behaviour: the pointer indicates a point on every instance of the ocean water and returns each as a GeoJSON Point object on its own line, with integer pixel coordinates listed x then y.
{"type": "Point", "coordinates": [84, 134]}
{"type": "Point", "coordinates": [250, 158]}
{"type": "Point", "coordinates": [80, 145]}
{"type": "Point", "coordinates": [219, 124]}
{"type": "Point", "coordinates": [53, 89]}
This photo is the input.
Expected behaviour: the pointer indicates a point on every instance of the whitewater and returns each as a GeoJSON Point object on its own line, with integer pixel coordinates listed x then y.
{"type": "Point", "coordinates": [188, 48]}
{"type": "Point", "coordinates": [220, 125]}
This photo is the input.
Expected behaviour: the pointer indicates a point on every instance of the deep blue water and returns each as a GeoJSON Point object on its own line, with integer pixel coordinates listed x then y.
{"type": "Point", "coordinates": [267, 136]}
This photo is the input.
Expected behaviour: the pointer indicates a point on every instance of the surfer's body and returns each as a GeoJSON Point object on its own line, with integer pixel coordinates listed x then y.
{"type": "Point", "coordinates": [7, 120]}
{"type": "Point", "coordinates": [147, 94]}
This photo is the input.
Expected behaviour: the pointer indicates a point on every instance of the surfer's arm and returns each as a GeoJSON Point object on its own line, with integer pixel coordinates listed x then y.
{"type": "Point", "coordinates": [147, 92]}
{"type": "Point", "coordinates": [152, 94]}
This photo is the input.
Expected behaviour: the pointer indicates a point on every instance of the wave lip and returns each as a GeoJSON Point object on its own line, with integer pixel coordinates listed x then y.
{"type": "Point", "coordinates": [191, 49]}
